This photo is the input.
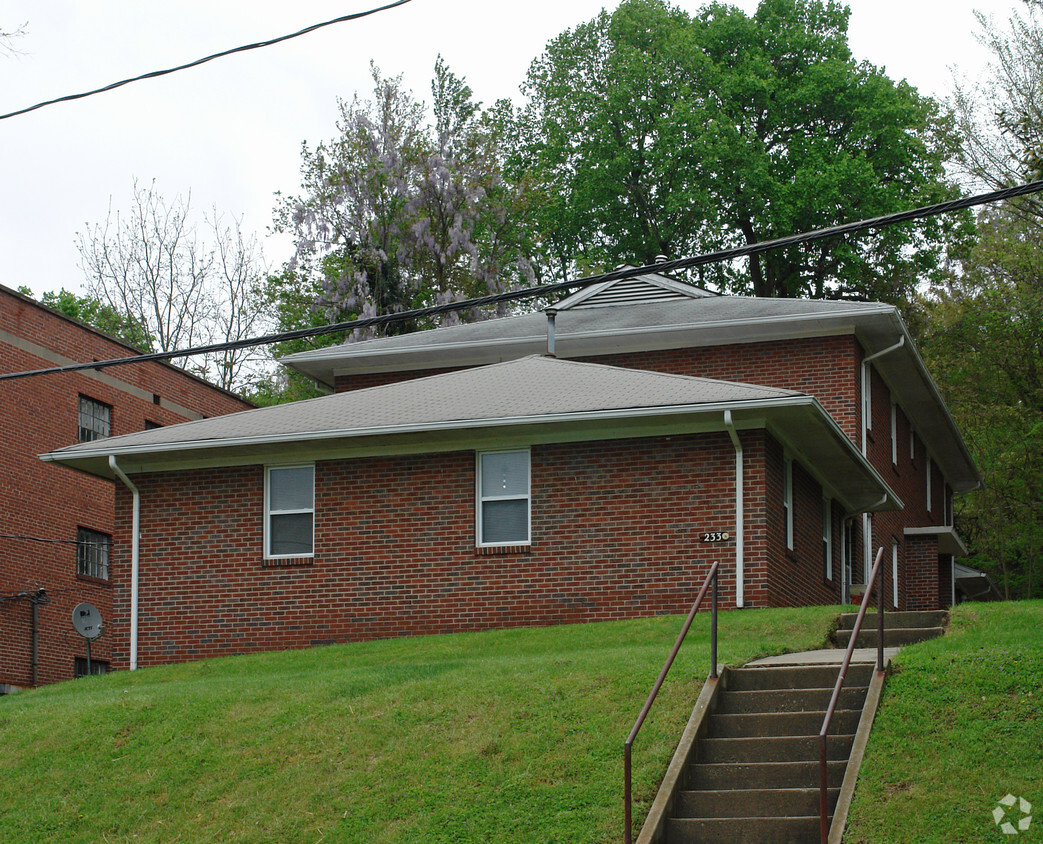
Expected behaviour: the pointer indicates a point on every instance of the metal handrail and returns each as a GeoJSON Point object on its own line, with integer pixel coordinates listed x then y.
{"type": "Point", "coordinates": [628, 744]}
{"type": "Point", "coordinates": [874, 579]}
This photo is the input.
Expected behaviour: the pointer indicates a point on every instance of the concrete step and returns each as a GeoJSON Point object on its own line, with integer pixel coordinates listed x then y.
{"type": "Point", "coordinates": [790, 700]}
{"type": "Point", "coordinates": [752, 803]}
{"type": "Point", "coordinates": [743, 830]}
{"type": "Point", "coordinates": [773, 749]}
{"type": "Point", "coordinates": [796, 677]}
{"type": "Point", "coordinates": [925, 618]}
{"type": "Point", "coordinates": [763, 775]}
{"type": "Point", "coordinates": [893, 637]}
{"type": "Point", "coordinates": [747, 725]}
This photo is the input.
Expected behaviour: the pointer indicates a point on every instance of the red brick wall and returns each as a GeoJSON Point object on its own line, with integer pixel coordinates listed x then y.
{"type": "Point", "coordinates": [616, 534]}
{"type": "Point", "coordinates": [42, 501]}
{"type": "Point", "coordinates": [824, 367]}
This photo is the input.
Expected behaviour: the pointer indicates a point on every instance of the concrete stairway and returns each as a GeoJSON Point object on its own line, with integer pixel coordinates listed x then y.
{"type": "Point", "coordinates": [900, 628]}
{"type": "Point", "coordinates": [753, 776]}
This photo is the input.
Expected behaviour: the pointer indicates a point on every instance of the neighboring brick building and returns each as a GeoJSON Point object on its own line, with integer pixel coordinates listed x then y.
{"type": "Point", "coordinates": [56, 525]}
{"type": "Point", "coordinates": [460, 479]}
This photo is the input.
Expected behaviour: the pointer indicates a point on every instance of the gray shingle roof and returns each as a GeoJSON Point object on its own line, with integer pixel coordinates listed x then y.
{"type": "Point", "coordinates": [526, 388]}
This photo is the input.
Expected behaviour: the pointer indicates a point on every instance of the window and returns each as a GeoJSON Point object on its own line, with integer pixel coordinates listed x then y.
{"type": "Point", "coordinates": [827, 538]}
{"type": "Point", "coordinates": [92, 553]}
{"type": "Point", "coordinates": [928, 463]}
{"type": "Point", "coordinates": [151, 426]}
{"type": "Point", "coordinates": [95, 420]}
{"type": "Point", "coordinates": [894, 433]}
{"type": "Point", "coordinates": [894, 573]}
{"type": "Point", "coordinates": [289, 511]}
{"type": "Point", "coordinates": [503, 498]}
{"type": "Point", "coordinates": [98, 666]}
{"type": "Point", "coordinates": [787, 502]}
{"type": "Point", "coordinates": [867, 396]}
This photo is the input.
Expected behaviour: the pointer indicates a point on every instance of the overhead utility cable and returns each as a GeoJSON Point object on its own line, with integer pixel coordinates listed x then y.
{"type": "Point", "coordinates": [559, 287]}
{"type": "Point", "coordinates": [198, 62]}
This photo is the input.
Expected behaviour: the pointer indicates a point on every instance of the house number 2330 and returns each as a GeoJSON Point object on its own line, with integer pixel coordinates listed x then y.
{"type": "Point", "coordinates": [716, 536]}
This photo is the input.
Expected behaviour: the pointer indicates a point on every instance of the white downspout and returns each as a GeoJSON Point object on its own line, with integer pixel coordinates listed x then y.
{"type": "Point", "coordinates": [867, 540]}
{"type": "Point", "coordinates": [740, 516]}
{"type": "Point", "coordinates": [134, 561]}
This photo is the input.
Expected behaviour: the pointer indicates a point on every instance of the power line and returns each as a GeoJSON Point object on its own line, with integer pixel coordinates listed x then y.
{"type": "Point", "coordinates": [559, 287]}
{"type": "Point", "coordinates": [153, 74]}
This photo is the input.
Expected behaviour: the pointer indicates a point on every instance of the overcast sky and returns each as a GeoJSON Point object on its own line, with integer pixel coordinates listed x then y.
{"type": "Point", "coordinates": [230, 131]}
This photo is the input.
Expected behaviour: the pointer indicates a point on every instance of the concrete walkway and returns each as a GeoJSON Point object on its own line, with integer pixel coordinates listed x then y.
{"type": "Point", "coordinates": [827, 656]}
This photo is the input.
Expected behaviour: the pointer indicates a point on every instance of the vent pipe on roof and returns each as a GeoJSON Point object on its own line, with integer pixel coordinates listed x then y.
{"type": "Point", "coordinates": [551, 313]}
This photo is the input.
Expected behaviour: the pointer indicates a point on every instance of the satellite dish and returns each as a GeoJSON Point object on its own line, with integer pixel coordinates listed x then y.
{"type": "Point", "coordinates": [87, 621]}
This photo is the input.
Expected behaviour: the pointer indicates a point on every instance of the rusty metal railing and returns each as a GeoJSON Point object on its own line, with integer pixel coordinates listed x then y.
{"type": "Point", "coordinates": [874, 580]}
{"type": "Point", "coordinates": [711, 577]}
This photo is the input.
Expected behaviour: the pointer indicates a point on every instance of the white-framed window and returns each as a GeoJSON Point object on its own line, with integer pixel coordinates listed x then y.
{"type": "Point", "coordinates": [95, 420]}
{"type": "Point", "coordinates": [927, 464]}
{"type": "Point", "coordinates": [894, 573]}
{"type": "Point", "coordinates": [894, 433]}
{"type": "Point", "coordinates": [503, 498]}
{"type": "Point", "coordinates": [787, 501]}
{"type": "Point", "coordinates": [289, 511]}
{"type": "Point", "coordinates": [867, 396]}
{"type": "Point", "coordinates": [827, 538]}
{"type": "Point", "coordinates": [92, 553]}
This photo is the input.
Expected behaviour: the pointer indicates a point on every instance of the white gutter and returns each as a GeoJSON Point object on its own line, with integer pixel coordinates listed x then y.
{"type": "Point", "coordinates": [867, 539]}
{"type": "Point", "coordinates": [740, 515]}
{"type": "Point", "coordinates": [135, 553]}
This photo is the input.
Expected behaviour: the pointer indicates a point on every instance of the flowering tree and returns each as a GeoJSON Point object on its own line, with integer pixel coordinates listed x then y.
{"type": "Point", "coordinates": [397, 213]}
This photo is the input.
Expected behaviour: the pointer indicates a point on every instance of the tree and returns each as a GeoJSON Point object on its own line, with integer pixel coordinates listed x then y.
{"type": "Point", "coordinates": [103, 317]}
{"type": "Point", "coordinates": [152, 265]}
{"type": "Point", "coordinates": [1001, 119]}
{"type": "Point", "coordinates": [397, 214]}
{"type": "Point", "coordinates": [662, 133]}
{"type": "Point", "coordinates": [982, 337]}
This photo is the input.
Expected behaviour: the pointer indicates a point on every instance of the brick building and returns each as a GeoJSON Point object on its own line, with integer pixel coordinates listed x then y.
{"type": "Point", "coordinates": [471, 477]}
{"type": "Point", "coordinates": [56, 526]}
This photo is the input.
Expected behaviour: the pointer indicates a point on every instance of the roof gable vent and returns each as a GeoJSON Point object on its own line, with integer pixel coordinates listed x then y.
{"type": "Point", "coordinates": [636, 290]}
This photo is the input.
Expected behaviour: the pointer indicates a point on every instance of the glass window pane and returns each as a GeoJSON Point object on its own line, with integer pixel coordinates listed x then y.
{"type": "Point", "coordinates": [290, 534]}
{"type": "Point", "coordinates": [291, 489]}
{"type": "Point", "coordinates": [505, 473]}
{"type": "Point", "coordinates": [505, 521]}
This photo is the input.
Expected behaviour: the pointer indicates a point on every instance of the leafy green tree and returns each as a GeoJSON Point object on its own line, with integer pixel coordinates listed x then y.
{"type": "Point", "coordinates": [102, 316]}
{"type": "Point", "coordinates": [982, 337]}
{"type": "Point", "coordinates": [661, 133]}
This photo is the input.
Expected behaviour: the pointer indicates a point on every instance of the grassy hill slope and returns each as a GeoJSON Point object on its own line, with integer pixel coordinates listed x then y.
{"type": "Point", "coordinates": [507, 736]}
{"type": "Point", "coordinates": [961, 726]}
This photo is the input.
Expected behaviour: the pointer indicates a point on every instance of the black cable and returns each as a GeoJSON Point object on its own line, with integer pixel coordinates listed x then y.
{"type": "Point", "coordinates": [547, 289]}
{"type": "Point", "coordinates": [198, 62]}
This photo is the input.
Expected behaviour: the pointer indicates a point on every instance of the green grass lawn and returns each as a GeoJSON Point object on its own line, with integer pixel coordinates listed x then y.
{"type": "Point", "coordinates": [961, 726]}
{"type": "Point", "coordinates": [507, 736]}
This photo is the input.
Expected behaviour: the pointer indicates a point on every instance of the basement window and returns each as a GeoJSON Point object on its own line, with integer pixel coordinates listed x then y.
{"type": "Point", "coordinates": [92, 553]}
{"type": "Point", "coordinates": [504, 498]}
{"type": "Point", "coordinates": [289, 504]}
{"type": "Point", "coordinates": [98, 666]}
